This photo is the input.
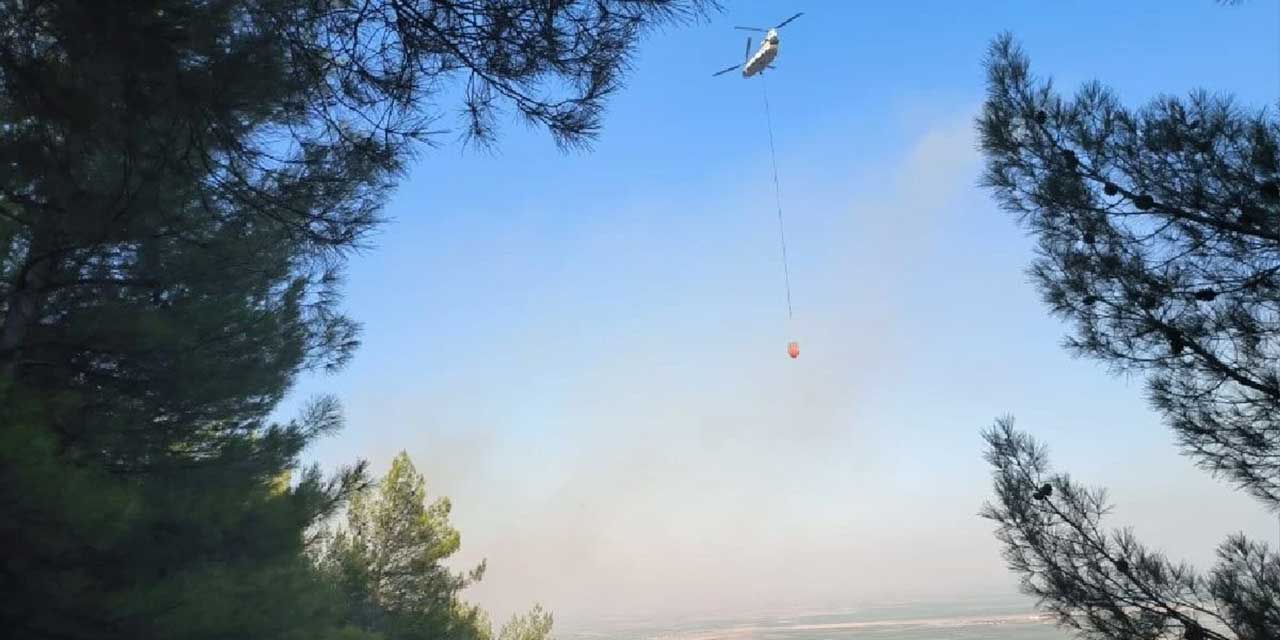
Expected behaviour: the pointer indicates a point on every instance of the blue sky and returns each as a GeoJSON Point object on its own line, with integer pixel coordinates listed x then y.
{"type": "Point", "coordinates": [586, 352]}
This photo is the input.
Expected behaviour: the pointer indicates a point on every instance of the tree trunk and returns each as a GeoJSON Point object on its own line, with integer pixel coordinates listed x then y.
{"type": "Point", "coordinates": [23, 307]}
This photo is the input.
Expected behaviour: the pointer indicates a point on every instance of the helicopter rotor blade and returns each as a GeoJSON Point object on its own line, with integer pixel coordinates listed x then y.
{"type": "Point", "coordinates": [788, 20]}
{"type": "Point", "coordinates": [752, 29]}
{"type": "Point", "coordinates": [747, 56]}
{"type": "Point", "coordinates": [733, 68]}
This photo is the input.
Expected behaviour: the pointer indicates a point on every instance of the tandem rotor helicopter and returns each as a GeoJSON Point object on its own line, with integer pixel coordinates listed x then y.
{"type": "Point", "coordinates": [755, 64]}
{"type": "Point", "coordinates": [763, 58]}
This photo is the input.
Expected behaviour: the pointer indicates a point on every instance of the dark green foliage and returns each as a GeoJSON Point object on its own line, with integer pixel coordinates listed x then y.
{"type": "Point", "coordinates": [1105, 584]}
{"type": "Point", "coordinates": [180, 184]}
{"type": "Point", "coordinates": [90, 553]}
{"type": "Point", "coordinates": [1159, 241]}
{"type": "Point", "coordinates": [1177, 277]}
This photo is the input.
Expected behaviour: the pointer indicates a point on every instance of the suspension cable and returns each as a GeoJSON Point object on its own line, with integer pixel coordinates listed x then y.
{"type": "Point", "coordinates": [777, 192]}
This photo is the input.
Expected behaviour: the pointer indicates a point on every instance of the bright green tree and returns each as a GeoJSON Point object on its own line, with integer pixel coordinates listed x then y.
{"type": "Point", "coordinates": [389, 562]}
{"type": "Point", "coordinates": [533, 625]}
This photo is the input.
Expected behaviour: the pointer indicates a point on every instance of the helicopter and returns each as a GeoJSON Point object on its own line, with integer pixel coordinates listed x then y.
{"type": "Point", "coordinates": [763, 58]}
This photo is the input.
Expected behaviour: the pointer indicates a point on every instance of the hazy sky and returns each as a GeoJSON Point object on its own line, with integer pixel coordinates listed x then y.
{"type": "Point", "coordinates": [586, 352]}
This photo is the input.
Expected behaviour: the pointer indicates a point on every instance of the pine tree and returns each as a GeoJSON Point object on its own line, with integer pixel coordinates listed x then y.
{"type": "Point", "coordinates": [211, 551]}
{"type": "Point", "coordinates": [180, 183]}
{"type": "Point", "coordinates": [1159, 238]}
{"type": "Point", "coordinates": [534, 624]}
{"type": "Point", "coordinates": [389, 562]}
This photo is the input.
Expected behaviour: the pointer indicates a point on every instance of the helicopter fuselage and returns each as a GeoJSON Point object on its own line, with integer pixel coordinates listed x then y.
{"type": "Point", "coordinates": [763, 56]}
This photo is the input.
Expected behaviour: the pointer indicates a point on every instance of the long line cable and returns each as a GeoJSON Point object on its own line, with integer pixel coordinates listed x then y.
{"type": "Point", "coordinates": [777, 192]}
